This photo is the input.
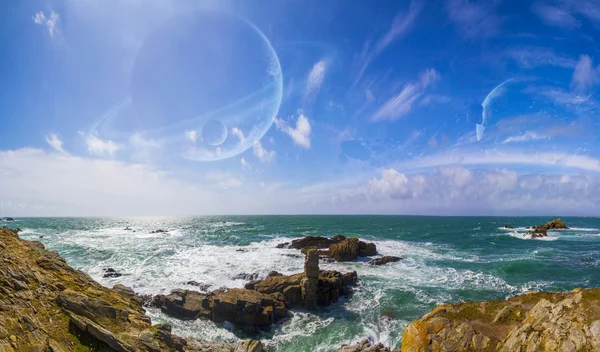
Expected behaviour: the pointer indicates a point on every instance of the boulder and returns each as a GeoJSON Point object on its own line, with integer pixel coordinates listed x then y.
{"type": "Point", "coordinates": [384, 260]}
{"type": "Point", "coordinates": [244, 276]}
{"type": "Point", "coordinates": [363, 346]}
{"type": "Point", "coordinates": [508, 227]}
{"type": "Point", "coordinates": [366, 249]}
{"type": "Point", "coordinates": [10, 219]}
{"type": "Point", "coordinates": [201, 286]}
{"type": "Point", "coordinates": [345, 251]}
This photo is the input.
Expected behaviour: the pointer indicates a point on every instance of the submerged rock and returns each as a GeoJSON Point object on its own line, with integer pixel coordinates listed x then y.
{"type": "Point", "coordinates": [49, 306]}
{"type": "Point", "coordinates": [244, 276]}
{"type": "Point", "coordinates": [508, 227]}
{"type": "Point", "coordinates": [384, 260]}
{"type": "Point", "coordinates": [110, 272]}
{"type": "Point", "coordinates": [363, 346]}
{"type": "Point", "coordinates": [159, 231]}
{"type": "Point", "coordinates": [530, 322]}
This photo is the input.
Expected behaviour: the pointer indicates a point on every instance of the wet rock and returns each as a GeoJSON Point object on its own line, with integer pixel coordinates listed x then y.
{"type": "Point", "coordinates": [239, 306]}
{"type": "Point", "coordinates": [384, 260]}
{"type": "Point", "coordinates": [244, 276]}
{"type": "Point", "coordinates": [312, 241]}
{"type": "Point", "coordinates": [508, 227]}
{"type": "Point", "coordinates": [366, 249]}
{"type": "Point", "coordinates": [110, 272]}
{"type": "Point", "coordinates": [201, 286]}
{"type": "Point", "coordinates": [364, 346]}
{"type": "Point", "coordinates": [127, 228]}
{"type": "Point", "coordinates": [159, 231]}
{"type": "Point", "coordinates": [344, 251]}
{"type": "Point", "coordinates": [9, 219]}
{"type": "Point", "coordinates": [250, 346]}
{"type": "Point", "coordinates": [274, 273]}
{"type": "Point", "coordinates": [542, 230]}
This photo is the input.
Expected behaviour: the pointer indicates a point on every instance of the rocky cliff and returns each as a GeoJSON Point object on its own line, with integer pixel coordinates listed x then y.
{"type": "Point", "coordinates": [45, 305]}
{"type": "Point", "coordinates": [536, 321]}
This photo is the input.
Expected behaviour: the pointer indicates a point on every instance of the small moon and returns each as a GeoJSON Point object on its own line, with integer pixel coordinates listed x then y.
{"type": "Point", "coordinates": [214, 132]}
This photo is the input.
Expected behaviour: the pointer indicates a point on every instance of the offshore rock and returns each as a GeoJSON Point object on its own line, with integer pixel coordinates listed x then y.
{"type": "Point", "coordinates": [45, 305]}
{"type": "Point", "coordinates": [384, 260]}
{"type": "Point", "coordinates": [530, 322]}
{"type": "Point", "coordinates": [363, 346]}
{"type": "Point", "coordinates": [542, 230]}
{"type": "Point", "coordinates": [312, 241]}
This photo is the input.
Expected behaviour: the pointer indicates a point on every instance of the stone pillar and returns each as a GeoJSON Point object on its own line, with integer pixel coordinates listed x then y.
{"type": "Point", "coordinates": [311, 280]}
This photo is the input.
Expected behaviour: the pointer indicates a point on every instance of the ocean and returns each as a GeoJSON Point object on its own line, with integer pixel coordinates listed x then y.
{"type": "Point", "coordinates": [446, 260]}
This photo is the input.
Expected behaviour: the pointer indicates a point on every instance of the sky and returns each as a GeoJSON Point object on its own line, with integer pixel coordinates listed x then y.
{"type": "Point", "coordinates": [446, 107]}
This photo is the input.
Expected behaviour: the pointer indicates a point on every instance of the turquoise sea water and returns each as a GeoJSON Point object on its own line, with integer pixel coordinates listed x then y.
{"type": "Point", "coordinates": [447, 260]}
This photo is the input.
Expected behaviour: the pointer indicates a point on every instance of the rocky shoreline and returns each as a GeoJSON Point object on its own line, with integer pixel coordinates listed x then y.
{"type": "Point", "coordinates": [45, 305]}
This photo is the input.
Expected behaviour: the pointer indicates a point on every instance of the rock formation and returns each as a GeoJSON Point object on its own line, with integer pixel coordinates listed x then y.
{"type": "Point", "coordinates": [531, 322]}
{"type": "Point", "coordinates": [310, 282]}
{"type": "Point", "coordinates": [45, 305]}
{"type": "Point", "coordinates": [338, 248]}
{"type": "Point", "coordinates": [262, 302]}
{"type": "Point", "coordinates": [542, 230]}
{"type": "Point", "coordinates": [384, 260]}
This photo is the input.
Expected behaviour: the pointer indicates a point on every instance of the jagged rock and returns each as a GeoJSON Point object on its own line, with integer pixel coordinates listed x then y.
{"type": "Point", "coordinates": [60, 309]}
{"type": "Point", "coordinates": [274, 273]}
{"type": "Point", "coordinates": [159, 231]}
{"type": "Point", "coordinates": [312, 241]}
{"type": "Point", "coordinates": [244, 276]}
{"type": "Point", "coordinates": [364, 346]}
{"type": "Point", "coordinates": [296, 291]}
{"type": "Point", "coordinates": [384, 260]}
{"type": "Point", "coordinates": [201, 286]}
{"type": "Point", "coordinates": [239, 306]}
{"type": "Point", "coordinates": [128, 292]}
{"type": "Point", "coordinates": [530, 322]}
{"type": "Point", "coordinates": [508, 227]}
{"type": "Point", "coordinates": [344, 251]}
{"type": "Point", "coordinates": [110, 272]}
{"type": "Point", "coordinates": [9, 219]}
{"type": "Point", "coordinates": [542, 230]}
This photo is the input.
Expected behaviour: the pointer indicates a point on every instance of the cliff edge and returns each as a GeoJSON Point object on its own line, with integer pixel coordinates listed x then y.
{"type": "Point", "coordinates": [536, 321]}
{"type": "Point", "coordinates": [45, 305]}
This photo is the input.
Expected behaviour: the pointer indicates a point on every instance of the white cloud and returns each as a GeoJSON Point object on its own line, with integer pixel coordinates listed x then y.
{"type": "Point", "coordinates": [54, 141]}
{"type": "Point", "coordinates": [555, 16]}
{"type": "Point", "coordinates": [245, 164]}
{"type": "Point", "coordinates": [262, 154]}
{"type": "Point", "coordinates": [585, 76]}
{"type": "Point", "coordinates": [223, 180]}
{"type": "Point", "coordinates": [101, 147]}
{"type": "Point", "coordinates": [315, 78]}
{"type": "Point", "coordinates": [191, 135]}
{"type": "Point", "coordinates": [238, 133]}
{"type": "Point", "coordinates": [300, 134]}
{"type": "Point", "coordinates": [49, 22]}
{"type": "Point", "coordinates": [392, 184]}
{"type": "Point", "coordinates": [525, 137]}
{"type": "Point", "coordinates": [531, 56]}
{"type": "Point", "coordinates": [403, 22]}
{"type": "Point", "coordinates": [403, 102]}
{"type": "Point", "coordinates": [474, 19]}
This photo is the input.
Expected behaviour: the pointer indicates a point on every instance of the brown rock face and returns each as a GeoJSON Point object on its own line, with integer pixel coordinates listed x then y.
{"type": "Point", "coordinates": [542, 230]}
{"type": "Point", "coordinates": [312, 241]}
{"type": "Point", "coordinates": [530, 322]}
{"type": "Point", "coordinates": [48, 306]}
{"type": "Point", "coordinates": [309, 284]}
{"type": "Point", "coordinates": [345, 251]}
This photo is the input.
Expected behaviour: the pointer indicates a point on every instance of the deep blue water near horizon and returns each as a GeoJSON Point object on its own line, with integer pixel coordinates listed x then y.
{"type": "Point", "coordinates": [446, 260]}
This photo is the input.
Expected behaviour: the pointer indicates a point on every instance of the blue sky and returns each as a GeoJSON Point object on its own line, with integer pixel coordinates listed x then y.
{"type": "Point", "coordinates": [242, 107]}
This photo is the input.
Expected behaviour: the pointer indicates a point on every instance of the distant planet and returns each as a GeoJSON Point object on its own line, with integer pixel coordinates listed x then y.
{"type": "Point", "coordinates": [210, 72]}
